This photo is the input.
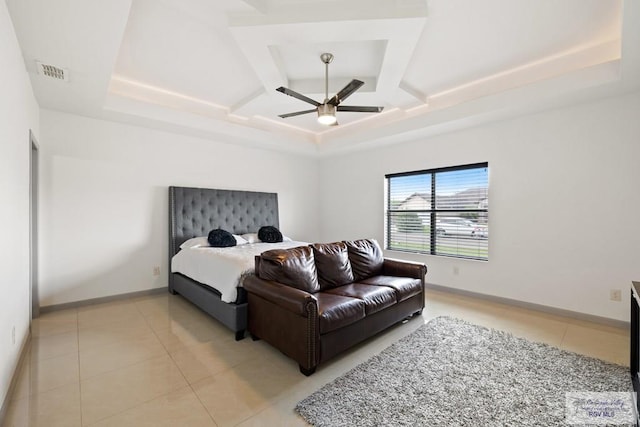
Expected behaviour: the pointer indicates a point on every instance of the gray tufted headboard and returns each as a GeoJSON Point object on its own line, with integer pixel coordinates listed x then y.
{"type": "Point", "coordinates": [194, 212]}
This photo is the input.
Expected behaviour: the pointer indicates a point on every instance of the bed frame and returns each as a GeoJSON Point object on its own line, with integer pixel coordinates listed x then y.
{"type": "Point", "coordinates": [194, 212]}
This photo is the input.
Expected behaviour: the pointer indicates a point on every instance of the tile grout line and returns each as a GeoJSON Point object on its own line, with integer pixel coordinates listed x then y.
{"type": "Point", "coordinates": [178, 367]}
{"type": "Point", "coordinates": [196, 395]}
{"type": "Point", "coordinates": [79, 377]}
{"type": "Point", "coordinates": [564, 335]}
{"type": "Point", "coordinates": [29, 361]}
{"type": "Point", "coordinates": [136, 337]}
{"type": "Point", "coordinates": [153, 331]}
{"type": "Point", "coordinates": [132, 407]}
{"type": "Point", "coordinates": [134, 364]}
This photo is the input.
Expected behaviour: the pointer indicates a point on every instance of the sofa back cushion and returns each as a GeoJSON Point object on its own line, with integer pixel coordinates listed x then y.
{"type": "Point", "coordinates": [366, 258]}
{"type": "Point", "coordinates": [294, 267]}
{"type": "Point", "coordinates": [332, 263]}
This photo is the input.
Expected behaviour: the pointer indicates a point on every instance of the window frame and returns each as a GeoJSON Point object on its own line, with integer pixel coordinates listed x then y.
{"type": "Point", "coordinates": [434, 211]}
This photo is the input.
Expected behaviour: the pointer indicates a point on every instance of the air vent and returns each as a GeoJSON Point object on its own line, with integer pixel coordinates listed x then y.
{"type": "Point", "coordinates": [53, 72]}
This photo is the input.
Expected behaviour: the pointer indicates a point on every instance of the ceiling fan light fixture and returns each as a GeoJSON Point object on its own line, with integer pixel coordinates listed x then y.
{"type": "Point", "coordinates": [327, 110]}
{"type": "Point", "coordinates": [326, 114]}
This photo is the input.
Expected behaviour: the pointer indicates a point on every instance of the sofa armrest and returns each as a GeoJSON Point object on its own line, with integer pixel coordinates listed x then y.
{"type": "Point", "coordinates": [287, 297]}
{"type": "Point", "coordinates": [401, 268]}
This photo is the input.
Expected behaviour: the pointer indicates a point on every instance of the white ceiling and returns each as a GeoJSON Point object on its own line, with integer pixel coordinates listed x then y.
{"type": "Point", "coordinates": [210, 67]}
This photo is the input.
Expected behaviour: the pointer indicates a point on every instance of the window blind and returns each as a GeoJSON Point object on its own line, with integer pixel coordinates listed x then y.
{"type": "Point", "coordinates": [440, 211]}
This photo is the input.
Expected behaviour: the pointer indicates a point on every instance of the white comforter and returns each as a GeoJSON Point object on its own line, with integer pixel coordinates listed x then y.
{"type": "Point", "coordinates": [223, 268]}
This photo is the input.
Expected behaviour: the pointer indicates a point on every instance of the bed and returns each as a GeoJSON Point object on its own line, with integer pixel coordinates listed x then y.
{"type": "Point", "coordinates": [193, 212]}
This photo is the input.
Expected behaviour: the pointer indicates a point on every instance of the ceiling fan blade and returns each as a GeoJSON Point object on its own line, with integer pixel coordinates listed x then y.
{"type": "Point", "coordinates": [295, 94]}
{"type": "Point", "coordinates": [359, 109]}
{"type": "Point", "coordinates": [297, 113]}
{"type": "Point", "coordinates": [351, 87]}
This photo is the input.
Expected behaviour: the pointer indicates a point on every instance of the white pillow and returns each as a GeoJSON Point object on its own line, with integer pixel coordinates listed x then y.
{"type": "Point", "coordinates": [203, 242]}
{"type": "Point", "coordinates": [240, 240]}
{"type": "Point", "coordinates": [251, 237]}
{"type": "Point", "coordinates": [196, 242]}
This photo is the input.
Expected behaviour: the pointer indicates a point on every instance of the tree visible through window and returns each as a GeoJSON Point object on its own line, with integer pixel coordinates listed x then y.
{"type": "Point", "coordinates": [440, 211]}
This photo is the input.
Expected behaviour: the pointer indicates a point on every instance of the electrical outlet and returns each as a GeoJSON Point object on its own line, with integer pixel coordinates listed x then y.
{"type": "Point", "coordinates": [456, 270]}
{"type": "Point", "coordinates": [615, 295]}
{"type": "Point", "coordinates": [13, 335]}
{"type": "Point", "coordinates": [156, 270]}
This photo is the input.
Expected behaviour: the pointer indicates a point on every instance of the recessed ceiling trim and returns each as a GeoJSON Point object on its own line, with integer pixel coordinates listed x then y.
{"type": "Point", "coordinates": [413, 91]}
{"type": "Point", "coordinates": [400, 36]}
{"type": "Point", "coordinates": [260, 5]}
{"type": "Point", "coordinates": [454, 114]}
{"type": "Point", "coordinates": [128, 88]}
{"type": "Point", "coordinates": [92, 40]}
{"type": "Point", "coordinates": [281, 124]}
{"type": "Point", "coordinates": [275, 12]}
{"type": "Point", "coordinates": [248, 132]}
{"type": "Point", "coordinates": [532, 72]}
{"type": "Point", "coordinates": [246, 100]}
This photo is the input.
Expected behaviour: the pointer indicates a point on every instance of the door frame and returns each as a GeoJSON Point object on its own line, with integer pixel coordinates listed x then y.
{"type": "Point", "coordinates": [34, 307]}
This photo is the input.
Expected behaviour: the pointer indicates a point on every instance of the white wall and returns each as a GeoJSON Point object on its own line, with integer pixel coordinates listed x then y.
{"type": "Point", "coordinates": [104, 200]}
{"type": "Point", "coordinates": [19, 112]}
{"type": "Point", "coordinates": [564, 204]}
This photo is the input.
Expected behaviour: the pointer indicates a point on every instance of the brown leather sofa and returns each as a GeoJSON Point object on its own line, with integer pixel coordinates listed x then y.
{"type": "Point", "coordinates": [313, 302]}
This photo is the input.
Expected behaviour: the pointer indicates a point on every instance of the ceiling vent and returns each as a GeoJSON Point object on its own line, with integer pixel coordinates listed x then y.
{"type": "Point", "coordinates": [53, 72]}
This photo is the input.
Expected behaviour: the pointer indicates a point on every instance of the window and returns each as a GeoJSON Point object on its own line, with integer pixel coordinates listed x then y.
{"type": "Point", "coordinates": [440, 211]}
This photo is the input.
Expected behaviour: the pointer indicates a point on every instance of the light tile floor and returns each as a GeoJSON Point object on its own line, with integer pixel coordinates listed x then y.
{"type": "Point", "coordinates": [159, 361]}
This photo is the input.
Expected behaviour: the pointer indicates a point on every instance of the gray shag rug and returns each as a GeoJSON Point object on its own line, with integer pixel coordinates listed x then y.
{"type": "Point", "coordinates": [452, 373]}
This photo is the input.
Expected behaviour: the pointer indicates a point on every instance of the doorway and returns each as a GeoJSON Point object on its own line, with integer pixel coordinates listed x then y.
{"type": "Point", "coordinates": [34, 307]}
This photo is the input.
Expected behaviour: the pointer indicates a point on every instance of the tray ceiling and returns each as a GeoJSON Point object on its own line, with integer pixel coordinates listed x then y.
{"type": "Point", "coordinates": [211, 67]}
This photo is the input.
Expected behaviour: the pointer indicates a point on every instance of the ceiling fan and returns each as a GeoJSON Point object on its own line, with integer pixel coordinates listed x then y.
{"type": "Point", "coordinates": [327, 109]}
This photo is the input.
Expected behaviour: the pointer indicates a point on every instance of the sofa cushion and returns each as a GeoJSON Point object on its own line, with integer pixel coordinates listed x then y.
{"type": "Point", "coordinates": [293, 267]}
{"type": "Point", "coordinates": [336, 311]}
{"type": "Point", "coordinates": [375, 298]}
{"type": "Point", "coordinates": [332, 263]}
{"type": "Point", "coordinates": [366, 258]}
{"type": "Point", "coordinates": [405, 287]}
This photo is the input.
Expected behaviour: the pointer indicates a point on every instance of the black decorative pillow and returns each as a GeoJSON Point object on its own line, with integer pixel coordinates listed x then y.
{"type": "Point", "coordinates": [269, 234]}
{"type": "Point", "coordinates": [219, 238]}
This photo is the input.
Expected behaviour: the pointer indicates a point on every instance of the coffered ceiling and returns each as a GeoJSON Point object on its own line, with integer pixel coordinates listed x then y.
{"type": "Point", "coordinates": [210, 67]}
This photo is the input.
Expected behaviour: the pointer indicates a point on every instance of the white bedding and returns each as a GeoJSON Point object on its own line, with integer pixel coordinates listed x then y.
{"type": "Point", "coordinates": [223, 268]}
